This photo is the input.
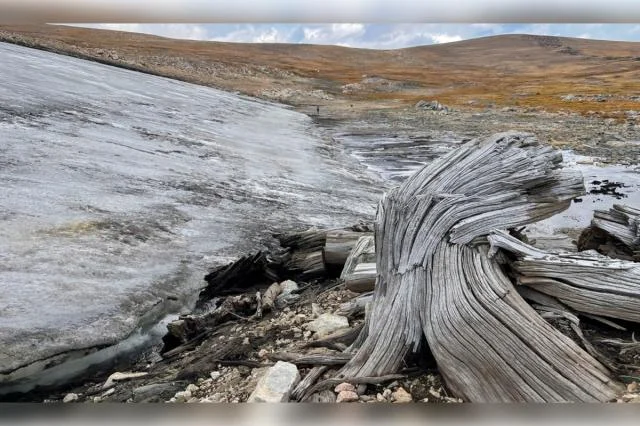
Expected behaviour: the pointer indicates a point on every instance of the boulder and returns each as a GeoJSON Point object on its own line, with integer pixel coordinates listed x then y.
{"type": "Point", "coordinates": [327, 323]}
{"type": "Point", "coordinates": [70, 397]}
{"type": "Point", "coordinates": [347, 396]}
{"type": "Point", "coordinates": [288, 294]}
{"type": "Point", "coordinates": [276, 384]}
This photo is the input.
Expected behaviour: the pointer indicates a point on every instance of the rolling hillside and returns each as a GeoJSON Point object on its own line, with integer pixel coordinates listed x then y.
{"type": "Point", "coordinates": [554, 73]}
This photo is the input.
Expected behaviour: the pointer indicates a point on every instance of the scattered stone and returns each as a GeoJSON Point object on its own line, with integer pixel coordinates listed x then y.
{"type": "Point", "coordinates": [431, 106]}
{"type": "Point", "coordinates": [276, 384]}
{"type": "Point", "coordinates": [435, 393]}
{"type": "Point", "coordinates": [288, 294]}
{"type": "Point", "coordinates": [367, 398]}
{"type": "Point", "coordinates": [401, 396]}
{"type": "Point", "coordinates": [182, 396]}
{"type": "Point", "coordinates": [70, 397]}
{"type": "Point", "coordinates": [347, 396]}
{"type": "Point", "coordinates": [361, 389]}
{"type": "Point", "coordinates": [386, 394]}
{"type": "Point", "coordinates": [316, 310]}
{"type": "Point", "coordinates": [326, 324]}
{"type": "Point", "coordinates": [345, 387]}
{"type": "Point", "coordinates": [117, 377]}
{"type": "Point", "coordinates": [631, 397]}
{"type": "Point", "coordinates": [632, 387]}
{"type": "Point", "coordinates": [193, 388]}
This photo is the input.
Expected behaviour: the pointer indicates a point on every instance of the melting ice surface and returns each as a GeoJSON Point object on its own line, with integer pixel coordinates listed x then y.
{"type": "Point", "coordinates": [119, 189]}
{"type": "Point", "coordinates": [578, 216]}
{"type": "Point", "coordinates": [394, 155]}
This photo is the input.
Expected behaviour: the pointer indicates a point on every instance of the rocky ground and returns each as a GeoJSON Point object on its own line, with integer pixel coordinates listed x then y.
{"type": "Point", "coordinates": [248, 348]}
{"type": "Point", "coordinates": [611, 141]}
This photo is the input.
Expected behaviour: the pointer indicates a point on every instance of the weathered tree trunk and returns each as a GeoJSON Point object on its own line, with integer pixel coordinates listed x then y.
{"type": "Point", "coordinates": [587, 282]}
{"type": "Point", "coordinates": [435, 279]}
{"type": "Point", "coordinates": [307, 256]}
{"type": "Point", "coordinates": [615, 233]}
{"type": "Point", "coordinates": [340, 243]}
{"type": "Point", "coordinates": [359, 271]}
{"type": "Point", "coordinates": [622, 222]}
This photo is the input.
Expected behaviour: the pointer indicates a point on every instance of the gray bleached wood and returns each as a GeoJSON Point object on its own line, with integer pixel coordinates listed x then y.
{"type": "Point", "coordinates": [359, 272]}
{"type": "Point", "coordinates": [622, 222]}
{"type": "Point", "coordinates": [435, 278]}
{"type": "Point", "coordinates": [587, 281]}
{"type": "Point", "coordinates": [339, 245]}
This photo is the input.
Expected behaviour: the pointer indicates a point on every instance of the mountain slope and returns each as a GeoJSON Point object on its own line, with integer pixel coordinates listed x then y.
{"type": "Point", "coordinates": [506, 70]}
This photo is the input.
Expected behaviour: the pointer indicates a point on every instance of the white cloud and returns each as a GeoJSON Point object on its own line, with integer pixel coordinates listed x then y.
{"type": "Point", "coordinates": [373, 36]}
{"type": "Point", "coordinates": [272, 35]}
{"type": "Point", "coordinates": [445, 38]}
{"type": "Point", "coordinates": [347, 30]}
{"type": "Point", "coordinates": [337, 34]}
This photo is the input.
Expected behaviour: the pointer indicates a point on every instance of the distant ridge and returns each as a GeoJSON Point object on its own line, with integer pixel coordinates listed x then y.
{"type": "Point", "coordinates": [506, 70]}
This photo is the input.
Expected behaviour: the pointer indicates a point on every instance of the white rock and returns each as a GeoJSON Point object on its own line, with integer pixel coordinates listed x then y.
{"type": "Point", "coordinates": [287, 296]}
{"type": "Point", "coordinates": [182, 396]}
{"type": "Point", "coordinates": [347, 396]}
{"type": "Point", "coordinates": [402, 396]}
{"type": "Point", "coordinates": [193, 388]}
{"type": "Point", "coordinates": [288, 286]}
{"type": "Point", "coordinates": [70, 397]}
{"type": "Point", "coordinates": [117, 377]}
{"type": "Point", "coordinates": [326, 324]}
{"type": "Point", "coordinates": [344, 387]}
{"type": "Point", "coordinates": [276, 384]}
{"type": "Point", "coordinates": [215, 374]}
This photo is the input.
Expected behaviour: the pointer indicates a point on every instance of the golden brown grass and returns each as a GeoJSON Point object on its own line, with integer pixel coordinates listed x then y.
{"type": "Point", "coordinates": [509, 70]}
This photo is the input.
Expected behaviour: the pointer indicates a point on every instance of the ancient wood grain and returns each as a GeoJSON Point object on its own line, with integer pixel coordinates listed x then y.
{"type": "Point", "coordinates": [435, 278]}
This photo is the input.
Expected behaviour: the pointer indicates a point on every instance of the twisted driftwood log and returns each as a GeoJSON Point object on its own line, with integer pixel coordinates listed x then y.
{"type": "Point", "coordinates": [623, 222]}
{"type": "Point", "coordinates": [587, 282]}
{"type": "Point", "coordinates": [435, 279]}
{"type": "Point", "coordinates": [615, 232]}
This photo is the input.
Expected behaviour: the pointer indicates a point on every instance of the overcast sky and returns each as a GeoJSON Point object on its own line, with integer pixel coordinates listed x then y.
{"type": "Point", "coordinates": [375, 36]}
